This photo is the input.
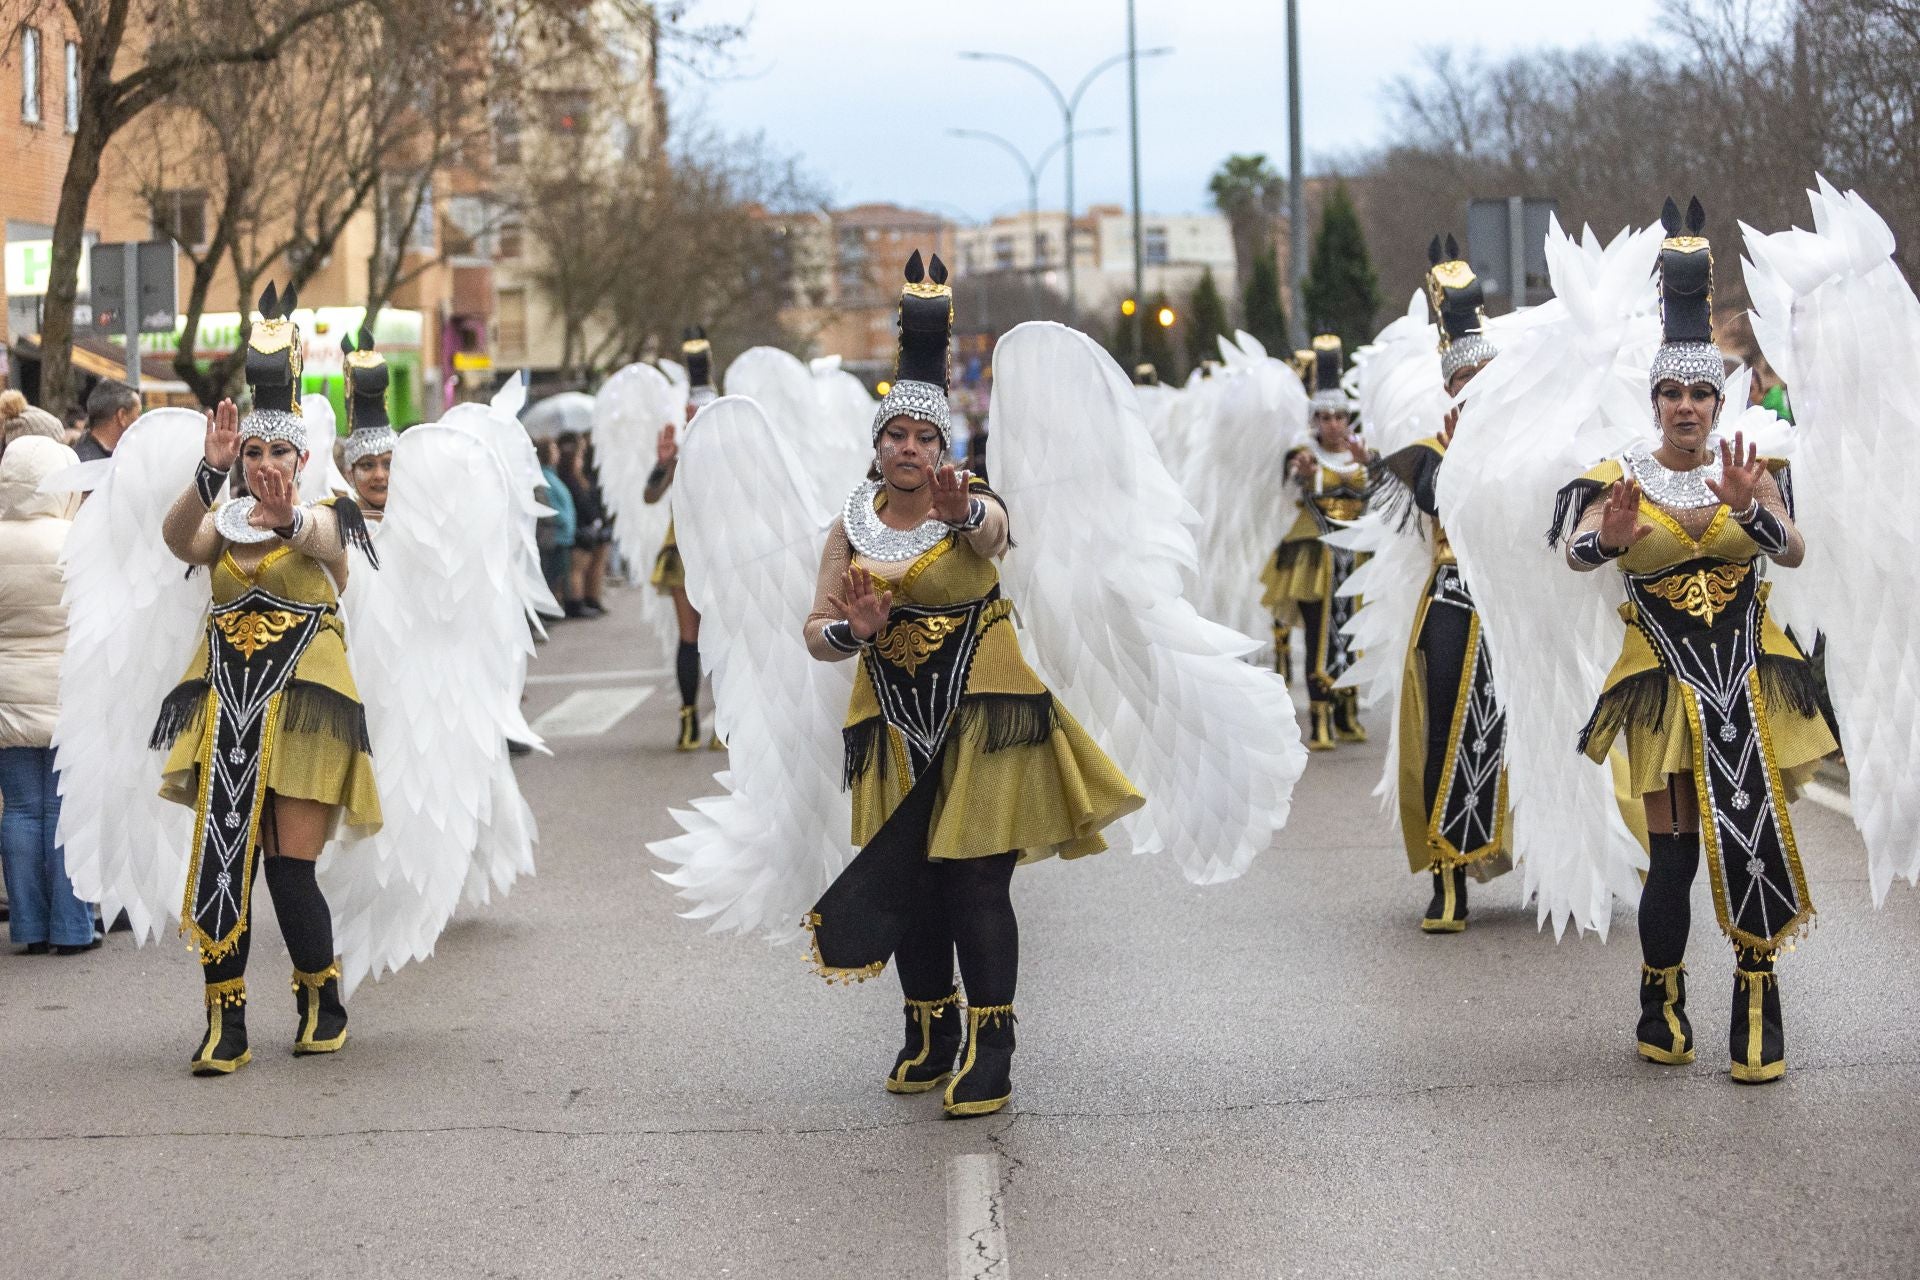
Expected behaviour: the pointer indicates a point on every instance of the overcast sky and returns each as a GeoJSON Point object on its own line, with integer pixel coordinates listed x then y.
{"type": "Point", "coordinates": [865, 90]}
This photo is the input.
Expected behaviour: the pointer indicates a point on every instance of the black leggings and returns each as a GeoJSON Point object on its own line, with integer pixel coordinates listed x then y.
{"type": "Point", "coordinates": [1666, 913]}
{"type": "Point", "coordinates": [1443, 649]}
{"type": "Point", "coordinates": [1313, 621]}
{"type": "Point", "coordinates": [686, 670]}
{"type": "Point", "coordinates": [964, 906]}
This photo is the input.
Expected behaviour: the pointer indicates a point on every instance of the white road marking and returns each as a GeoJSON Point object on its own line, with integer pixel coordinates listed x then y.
{"type": "Point", "coordinates": [578, 677]}
{"type": "Point", "coordinates": [976, 1220]}
{"type": "Point", "coordinates": [587, 712]}
{"type": "Point", "coordinates": [1829, 797]}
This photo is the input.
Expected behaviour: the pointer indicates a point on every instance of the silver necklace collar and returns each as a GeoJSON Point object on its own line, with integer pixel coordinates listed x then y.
{"type": "Point", "coordinates": [230, 521]}
{"type": "Point", "coordinates": [1682, 490]}
{"type": "Point", "coordinates": [876, 540]}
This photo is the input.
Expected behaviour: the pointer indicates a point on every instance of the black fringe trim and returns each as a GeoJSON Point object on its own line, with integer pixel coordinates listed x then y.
{"type": "Point", "coordinates": [182, 710]}
{"type": "Point", "coordinates": [1568, 505]}
{"type": "Point", "coordinates": [1006, 720]}
{"type": "Point", "coordinates": [1392, 501]}
{"type": "Point", "coordinates": [314, 708]}
{"type": "Point", "coordinates": [1638, 700]}
{"type": "Point", "coordinates": [353, 528]}
{"type": "Point", "coordinates": [1789, 684]}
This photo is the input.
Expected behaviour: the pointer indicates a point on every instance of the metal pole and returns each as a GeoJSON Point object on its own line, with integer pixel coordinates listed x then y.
{"type": "Point", "coordinates": [1296, 183]}
{"type": "Point", "coordinates": [1139, 234]}
{"type": "Point", "coordinates": [1517, 250]}
{"type": "Point", "coordinates": [1033, 235]}
{"type": "Point", "coordinates": [1073, 288]}
{"type": "Point", "coordinates": [130, 304]}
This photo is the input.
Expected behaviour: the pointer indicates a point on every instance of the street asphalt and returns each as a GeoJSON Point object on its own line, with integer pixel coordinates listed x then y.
{"type": "Point", "coordinates": [1276, 1077]}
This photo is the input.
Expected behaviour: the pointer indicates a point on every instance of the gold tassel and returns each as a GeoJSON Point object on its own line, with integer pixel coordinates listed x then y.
{"type": "Point", "coordinates": [232, 992]}
{"type": "Point", "coordinates": [827, 971]}
{"type": "Point", "coordinates": [315, 980]}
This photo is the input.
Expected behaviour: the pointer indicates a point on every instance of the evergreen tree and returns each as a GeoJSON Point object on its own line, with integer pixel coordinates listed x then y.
{"type": "Point", "coordinates": [1265, 312]}
{"type": "Point", "coordinates": [1342, 293]}
{"type": "Point", "coordinates": [1205, 321]}
{"type": "Point", "coordinates": [1156, 343]}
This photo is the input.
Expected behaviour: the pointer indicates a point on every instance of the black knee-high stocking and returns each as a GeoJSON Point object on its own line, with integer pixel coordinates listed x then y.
{"type": "Point", "coordinates": [925, 955]}
{"type": "Point", "coordinates": [1665, 911]}
{"type": "Point", "coordinates": [302, 911]}
{"type": "Point", "coordinates": [986, 937]}
{"type": "Point", "coordinates": [686, 669]}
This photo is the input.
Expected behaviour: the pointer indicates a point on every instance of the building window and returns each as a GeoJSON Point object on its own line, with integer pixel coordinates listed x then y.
{"type": "Point", "coordinates": [1003, 253]}
{"type": "Point", "coordinates": [511, 322]}
{"type": "Point", "coordinates": [506, 135]}
{"type": "Point", "coordinates": [30, 75]}
{"type": "Point", "coordinates": [410, 195]}
{"type": "Point", "coordinates": [1042, 249]}
{"type": "Point", "coordinates": [510, 242]}
{"type": "Point", "coordinates": [181, 216]}
{"type": "Point", "coordinates": [73, 87]}
{"type": "Point", "coordinates": [1155, 239]}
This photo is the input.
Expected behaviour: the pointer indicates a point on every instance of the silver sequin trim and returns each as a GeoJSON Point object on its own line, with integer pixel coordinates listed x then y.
{"type": "Point", "coordinates": [921, 401]}
{"type": "Point", "coordinates": [275, 424]}
{"type": "Point", "coordinates": [872, 538]}
{"type": "Point", "coordinates": [230, 522]}
{"type": "Point", "coordinates": [1334, 401]}
{"type": "Point", "coordinates": [1464, 353]}
{"type": "Point", "coordinates": [1681, 490]}
{"type": "Point", "coordinates": [370, 443]}
{"type": "Point", "coordinates": [1687, 363]}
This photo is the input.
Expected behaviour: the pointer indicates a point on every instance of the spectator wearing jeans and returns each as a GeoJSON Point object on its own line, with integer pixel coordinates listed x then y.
{"type": "Point", "coordinates": [111, 409]}
{"type": "Point", "coordinates": [33, 632]}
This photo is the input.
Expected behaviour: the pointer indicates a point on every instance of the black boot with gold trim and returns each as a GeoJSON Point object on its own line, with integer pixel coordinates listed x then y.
{"type": "Point", "coordinates": [224, 1049]}
{"type": "Point", "coordinates": [933, 1040]}
{"type": "Point", "coordinates": [323, 1018]}
{"type": "Point", "coordinates": [689, 730]}
{"type": "Point", "coordinates": [1665, 1035]}
{"type": "Point", "coordinates": [1758, 1041]}
{"type": "Point", "coordinates": [1346, 716]}
{"type": "Point", "coordinates": [984, 1083]}
{"type": "Point", "coordinates": [1447, 911]}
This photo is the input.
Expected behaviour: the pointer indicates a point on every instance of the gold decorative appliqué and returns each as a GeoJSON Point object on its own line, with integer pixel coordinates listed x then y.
{"type": "Point", "coordinates": [908, 644]}
{"type": "Point", "coordinates": [249, 633]}
{"type": "Point", "coordinates": [1704, 593]}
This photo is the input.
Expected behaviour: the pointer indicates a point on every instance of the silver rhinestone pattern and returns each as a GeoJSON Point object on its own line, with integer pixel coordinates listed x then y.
{"type": "Point", "coordinates": [230, 522]}
{"type": "Point", "coordinates": [1680, 490]}
{"type": "Point", "coordinates": [921, 401]}
{"type": "Point", "coordinates": [1464, 353]}
{"type": "Point", "coordinates": [1687, 363]}
{"type": "Point", "coordinates": [275, 424]}
{"type": "Point", "coordinates": [872, 538]}
{"type": "Point", "coordinates": [370, 443]}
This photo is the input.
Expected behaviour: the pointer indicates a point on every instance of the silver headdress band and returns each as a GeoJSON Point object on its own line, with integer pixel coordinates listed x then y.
{"type": "Point", "coordinates": [1464, 353]}
{"type": "Point", "coordinates": [369, 443]}
{"type": "Point", "coordinates": [921, 401]}
{"type": "Point", "coordinates": [275, 424]}
{"type": "Point", "coordinates": [1687, 363]}
{"type": "Point", "coordinates": [1332, 400]}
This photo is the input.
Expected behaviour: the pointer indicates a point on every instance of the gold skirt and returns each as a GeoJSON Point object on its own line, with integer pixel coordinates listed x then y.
{"type": "Point", "coordinates": [1298, 571]}
{"type": "Point", "coordinates": [1654, 754]}
{"type": "Point", "coordinates": [669, 572]}
{"type": "Point", "coordinates": [1046, 799]}
{"type": "Point", "coordinates": [304, 766]}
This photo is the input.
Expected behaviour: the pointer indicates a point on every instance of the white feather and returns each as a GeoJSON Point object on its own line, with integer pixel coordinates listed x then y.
{"type": "Point", "coordinates": [629, 411]}
{"type": "Point", "coordinates": [498, 427]}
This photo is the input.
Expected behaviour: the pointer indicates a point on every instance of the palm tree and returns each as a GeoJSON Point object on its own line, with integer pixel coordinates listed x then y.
{"type": "Point", "coordinates": [1251, 194]}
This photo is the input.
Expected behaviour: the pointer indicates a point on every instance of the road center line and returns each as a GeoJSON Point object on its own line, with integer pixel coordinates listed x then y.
{"type": "Point", "coordinates": [976, 1219]}
{"type": "Point", "coordinates": [578, 677]}
{"type": "Point", "coordinates": [587, 712]}
{"type": "Point", "coordinates": [1828, 797]}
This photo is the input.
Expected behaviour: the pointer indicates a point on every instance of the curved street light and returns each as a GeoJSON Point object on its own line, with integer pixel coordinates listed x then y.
{"type": "Point", "coordinates": [1033, 169]}
{"type": "Point", "coordinates": [1068, 104]}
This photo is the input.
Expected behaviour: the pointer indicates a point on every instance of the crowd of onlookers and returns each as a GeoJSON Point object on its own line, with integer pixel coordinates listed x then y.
{"type": "Point", "coordinates": [576, 541]}
{"type": "Point", "coordinates": [43, 913]}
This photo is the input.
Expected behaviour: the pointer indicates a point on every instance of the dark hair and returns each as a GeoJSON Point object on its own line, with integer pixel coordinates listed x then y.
{"type": "Point", "coordinates": [109, 398]}
{"type": "Point", "coordinates": [567, 441]}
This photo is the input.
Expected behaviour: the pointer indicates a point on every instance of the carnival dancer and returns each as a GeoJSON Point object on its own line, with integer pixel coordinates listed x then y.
{"type": "Point", "coordinates": [368, 451]}
{"type": "Point", "coordinates": [962, 762]}
{"type": "Point", "coordinates": [669, 575]}
{"type": "Point", "coordinates": [1328, 466]}
{"type": "Point", "coordinates": [268, 736]}
{"type": "Point", "coordinates": [1717, 706]}
{"type": "Point", "coordinates": [1446, 772]}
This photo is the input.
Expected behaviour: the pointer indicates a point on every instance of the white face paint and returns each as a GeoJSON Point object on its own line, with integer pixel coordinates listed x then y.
{"type": "Point", "coordinates": [908, 452]}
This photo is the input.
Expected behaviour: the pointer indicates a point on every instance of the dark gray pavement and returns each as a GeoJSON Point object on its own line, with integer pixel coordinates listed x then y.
{"type": "Point", "coordinates": [1276, 1077]}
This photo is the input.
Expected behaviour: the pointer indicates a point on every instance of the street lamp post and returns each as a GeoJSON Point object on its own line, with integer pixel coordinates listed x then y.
{"type": "Point", "coordinates": [1296, 183]}
{"type": "Point", "coordinates": [1068, 104]}
{"type": "Point", "coordinates": [1133, 130]}
{"type": "Point", "coordinates": [1033, 169]}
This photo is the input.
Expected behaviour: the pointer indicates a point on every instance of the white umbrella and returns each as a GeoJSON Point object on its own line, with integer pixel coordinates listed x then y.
{"type": "Point", "coordinates": [568, 411]}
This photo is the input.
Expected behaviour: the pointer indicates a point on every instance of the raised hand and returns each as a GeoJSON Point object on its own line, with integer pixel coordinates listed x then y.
{"type": "Point", "coordinates": [1620, 523]}
{"type": "Point", "coordinates": [667, 447]}
{"type": "Point", "coordinates": [273, 498]}
{"type": "Point", "coordinates": [866, 609]}
{"type": "Point", "coordinates": [1741, 472]}
{"type": "Point", "coordinates": [1303, 465]}
{"type": "Point", "coordinates": [951, 500]}
{"type": "Point", "coordinates": [1358, 451]}
{"type": "Point", "coordinates": [223, 436]}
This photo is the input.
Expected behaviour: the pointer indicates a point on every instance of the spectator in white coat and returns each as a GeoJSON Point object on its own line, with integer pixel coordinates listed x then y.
{"type": "Point", "coordinates": [33, 631]}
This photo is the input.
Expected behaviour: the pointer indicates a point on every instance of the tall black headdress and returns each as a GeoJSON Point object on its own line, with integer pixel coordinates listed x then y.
{"type": "Point", "coordinates": [696, 353]}
{"type": "Point", "coordinates": [273, 372]}
{"type": "Point", "coordinates": [1687, 354]}
{"type": "Point", "coordinates": [919, 389]}
{"type": "Point", "coordinates": [1458, 308]}
{"type": "Point", "coordinates": [1329, 367]}
{"type": "Point", "coordinates": [369, 431]}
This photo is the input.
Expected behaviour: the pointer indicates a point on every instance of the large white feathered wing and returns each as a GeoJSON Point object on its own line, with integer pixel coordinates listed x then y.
{"type": "Point", "coordinates": [1840, 323]}
{"type": "Point", "coordinates": [1398, 379]}
{"type": "Point", "coordinates": [133, 616]}
{"type": "Point", "coordinates": [498, 426]}
{"type": "Point", "coordinates": [756, 857]}
{"type": "Point", "coordinates": [629, 411]}
{"type": "Point", "coordinates": [1236, 479]}
{"type": "Point", "coordinates": [785, 388]}
{"type": "Point", "coordinates": [437, 638]}
{"type": "Point", "coordinates": [846, 425]}
{"type": "Point", "coordinates": [1567, 390]}
{"type": "Point", "coordinates": [322, 474]}
{"type": "Point", "coordinates": [1105, 550]}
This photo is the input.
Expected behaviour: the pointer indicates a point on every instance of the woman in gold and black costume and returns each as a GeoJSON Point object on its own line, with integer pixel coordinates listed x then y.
{"type": "Point", "coordinates": [1715, 705]}
{"type": "Point", "coordinates": [669, 575]}
{"type": "Point", "coordinates": [961, 763]}
{"type": "Point", "coordinates": [266, 734]}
